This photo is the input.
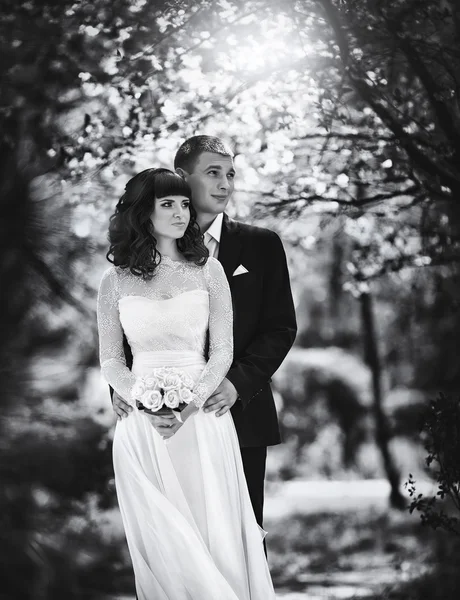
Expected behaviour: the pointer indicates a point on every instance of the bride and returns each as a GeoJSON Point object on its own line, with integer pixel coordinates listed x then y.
{"type": "Point", "coordinates": [188, 519]}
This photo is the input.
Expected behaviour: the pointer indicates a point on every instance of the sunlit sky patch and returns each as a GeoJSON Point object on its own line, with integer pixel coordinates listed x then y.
{"type": "Point", "coordinates": [270, 44]}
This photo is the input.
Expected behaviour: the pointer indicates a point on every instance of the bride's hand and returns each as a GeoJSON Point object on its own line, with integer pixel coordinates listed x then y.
{"type": "Point", "coordinates": [165, 425]}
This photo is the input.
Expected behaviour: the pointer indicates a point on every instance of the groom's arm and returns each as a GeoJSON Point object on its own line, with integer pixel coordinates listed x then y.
{"type": "Point", "coordinates": [120, 406]}
{"type": "Point", "coordinates": [276, 329]}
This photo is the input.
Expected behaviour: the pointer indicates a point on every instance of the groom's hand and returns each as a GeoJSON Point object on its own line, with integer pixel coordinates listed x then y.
{"type": "Point", "coordinates": [120, 406]}
{"type": "Point", "coordinates": [222, 399]}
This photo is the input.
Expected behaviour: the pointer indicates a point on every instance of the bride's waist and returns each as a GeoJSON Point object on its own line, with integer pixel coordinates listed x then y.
{"type": "Point", "coordinates": [145, 361]}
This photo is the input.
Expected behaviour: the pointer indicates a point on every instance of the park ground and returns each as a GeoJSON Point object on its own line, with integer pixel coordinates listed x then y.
{"type": "Point", "coordinates": [330, 540]}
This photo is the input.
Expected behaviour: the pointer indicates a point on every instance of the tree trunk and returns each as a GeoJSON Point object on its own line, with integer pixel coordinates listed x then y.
{"type": "Point", "coordinates": [371, 357]}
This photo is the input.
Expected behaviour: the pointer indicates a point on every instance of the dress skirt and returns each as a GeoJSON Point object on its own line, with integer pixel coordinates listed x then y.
{"type": "Point", "coordinates": [188, 518]}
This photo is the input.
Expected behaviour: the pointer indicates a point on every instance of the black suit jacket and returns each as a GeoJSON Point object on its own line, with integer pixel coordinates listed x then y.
{"type": "Point", "coordinates": [264, 326]}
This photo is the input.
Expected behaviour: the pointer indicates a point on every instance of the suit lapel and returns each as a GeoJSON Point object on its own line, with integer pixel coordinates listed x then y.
{"type": "Point", "coordinates": [230, 246]}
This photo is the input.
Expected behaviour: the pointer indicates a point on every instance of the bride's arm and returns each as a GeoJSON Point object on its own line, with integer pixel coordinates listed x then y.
{"type": "Point", "coordinates": [220, 335]}
{"type": "Point", "coordinates": [111, 352]}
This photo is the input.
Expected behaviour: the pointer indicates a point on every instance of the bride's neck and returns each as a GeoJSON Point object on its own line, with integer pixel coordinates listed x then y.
{"type": "Point", "coordinates": [168, 247]}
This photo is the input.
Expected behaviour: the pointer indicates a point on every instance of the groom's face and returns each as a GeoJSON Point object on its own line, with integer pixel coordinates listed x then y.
{"type": "Point", "coordinates": [211, 182]}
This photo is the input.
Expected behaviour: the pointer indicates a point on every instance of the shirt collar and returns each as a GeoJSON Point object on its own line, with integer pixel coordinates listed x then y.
{"type": "Point", "coordinates": [215, 229]}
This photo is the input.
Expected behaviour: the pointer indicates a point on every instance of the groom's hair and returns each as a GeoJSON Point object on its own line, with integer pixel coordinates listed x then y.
{"type": "Point", "coordinates": [190, 151]}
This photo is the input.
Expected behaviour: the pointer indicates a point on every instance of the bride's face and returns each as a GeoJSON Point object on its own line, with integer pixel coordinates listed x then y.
{"type": "Point", "coordinates": [170, 217]}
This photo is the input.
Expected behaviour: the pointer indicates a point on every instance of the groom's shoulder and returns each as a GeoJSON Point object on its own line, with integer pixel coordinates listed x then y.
{"type": "Point", "coordinates": [257, 234]}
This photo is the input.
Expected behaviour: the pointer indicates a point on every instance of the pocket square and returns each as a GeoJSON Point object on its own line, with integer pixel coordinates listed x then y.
{"type": "Point", "coordinates": [240, 271]}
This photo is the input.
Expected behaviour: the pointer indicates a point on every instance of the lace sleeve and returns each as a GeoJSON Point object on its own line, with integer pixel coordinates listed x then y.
{"type": "Point", "coordinates": [220, 332]}
{"type": "Point", "coordinates": [111, 353]}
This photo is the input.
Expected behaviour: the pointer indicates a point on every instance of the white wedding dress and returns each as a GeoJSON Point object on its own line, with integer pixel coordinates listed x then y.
{"type": "Point", "coordinates": [189, 523]}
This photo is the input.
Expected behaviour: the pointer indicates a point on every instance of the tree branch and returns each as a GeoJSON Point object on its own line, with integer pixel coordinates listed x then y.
{"type": "Point", "coordinates": [440, 108]}
{"type": "Point", "coordinates": [278, 205]}
{"type": "Point", "coordinates": [410, 262]}
{"type": "Point", "coordinates": [414, 153]}
{"type": "Point", "coordinates": [56, 286]}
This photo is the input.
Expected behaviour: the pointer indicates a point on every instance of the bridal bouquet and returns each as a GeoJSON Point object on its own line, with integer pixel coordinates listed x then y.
{"type": "Point", "coordinates": [164, 388]}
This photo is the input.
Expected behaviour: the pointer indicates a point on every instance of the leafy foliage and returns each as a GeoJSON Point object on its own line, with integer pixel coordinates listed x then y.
{"type": "Point", "coordinates": [441, 428]}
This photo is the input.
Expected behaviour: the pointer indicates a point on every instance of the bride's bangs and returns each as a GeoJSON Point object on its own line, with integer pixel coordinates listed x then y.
{"type": "Point", "coordinates": [171, 184]}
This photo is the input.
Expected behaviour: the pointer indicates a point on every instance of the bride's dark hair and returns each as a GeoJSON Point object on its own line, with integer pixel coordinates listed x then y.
{"type": "Point", "coordinates": [132, 243]}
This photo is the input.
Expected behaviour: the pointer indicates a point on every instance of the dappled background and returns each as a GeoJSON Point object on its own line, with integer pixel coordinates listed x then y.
{"type": "Point", "coordinates": [345, 123]}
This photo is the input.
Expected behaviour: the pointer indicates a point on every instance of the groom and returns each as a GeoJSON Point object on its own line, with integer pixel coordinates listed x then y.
{"type": "Point", "coordinates": [264, 319]}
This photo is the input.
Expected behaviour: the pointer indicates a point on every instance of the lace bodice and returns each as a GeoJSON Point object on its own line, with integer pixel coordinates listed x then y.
{"type": "Point", "coordinates": [172, 311]}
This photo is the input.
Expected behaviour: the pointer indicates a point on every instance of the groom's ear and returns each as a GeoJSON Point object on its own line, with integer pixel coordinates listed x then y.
{"type": "Point", "coordinates": [181, 172]}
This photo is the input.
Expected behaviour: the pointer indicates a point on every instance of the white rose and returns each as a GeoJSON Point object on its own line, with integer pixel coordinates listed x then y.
{"type": "Point", "coordinates": [185, 395]}
{"type": "Point", "coordinates": [159, 375]}
{"type": "Point", "coordinates": [151, 383]}
{"type": "Point", "coordinates": [138, 389]}
{"type": "Point", "coordinates": [171, 399]}
{"type": "Point", "coordinates": [187, 381]}
{"type": "Point", "coordinates": [172, 381]}
{"type": "Point", "coordinates": [152, 400]}
{"type": "Point", "coordinates": [161, 372]}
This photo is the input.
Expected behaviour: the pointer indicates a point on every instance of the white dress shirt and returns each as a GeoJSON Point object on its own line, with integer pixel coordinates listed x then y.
{"type": "Point", "coordinates": [212, 236]}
